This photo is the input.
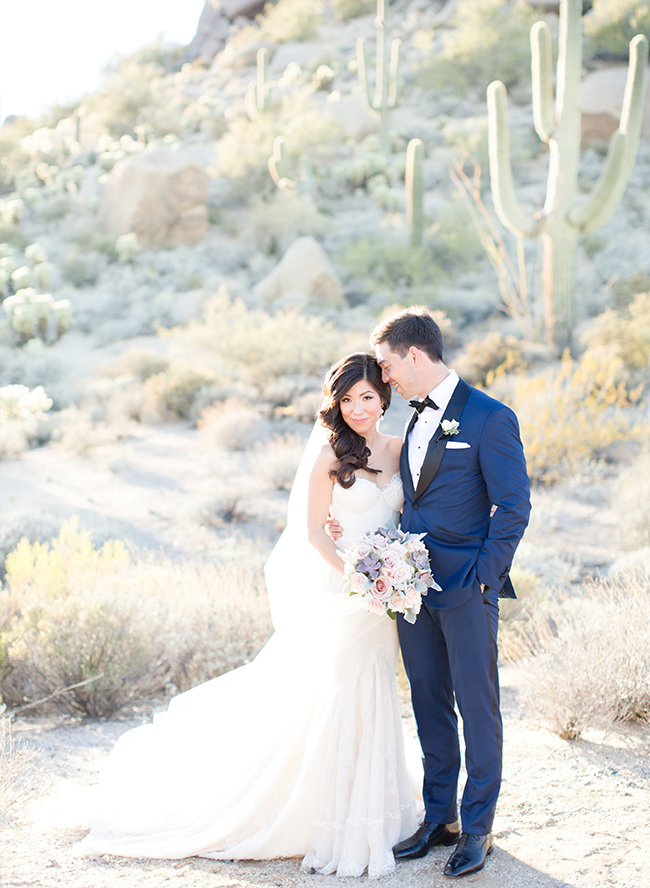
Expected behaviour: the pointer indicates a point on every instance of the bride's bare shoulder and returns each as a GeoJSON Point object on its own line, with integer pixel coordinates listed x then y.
{"type": "Point", "coordinates": [394, 444]}
{"type": "Point", "coordinates": [325, 460]}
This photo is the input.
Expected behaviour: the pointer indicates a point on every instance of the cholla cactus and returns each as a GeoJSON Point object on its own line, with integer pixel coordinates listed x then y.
{"type": "Point", "coordinates": [33, 315]}
{"type": "Point", "coordinates": [385, 79]}
{"type": "Point", "coordinates": [21, 277]}
{"type": "Point", "coordinates": [127, 246]}
{"type": "Point", "coordinates": [35, 254]}
{"type": "Point", "coordinates": [43, 275]}
{"type": "Point", "coordinates": [9, 264]}
{"type": "Point", "coordinates": [18, 402]}
{"type": "Point", "coordinates": [12, 210]}
{"type": "Point", "coordinates": [279, 170]}
{"type": "Point", "coordinates": [562, 219]}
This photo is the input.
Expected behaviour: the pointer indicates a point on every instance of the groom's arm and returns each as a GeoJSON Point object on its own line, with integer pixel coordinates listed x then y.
{"type": "Point", "coordinates": [503, 465]}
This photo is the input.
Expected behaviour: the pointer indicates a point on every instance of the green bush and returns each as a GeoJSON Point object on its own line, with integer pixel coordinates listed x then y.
{"type": "Point", "coordinates": [489, 41]}
{"type": "Point", "coordinates": [483, 359]}
{"type": "Point", "coordinates": [170, 394]}
{"type": "Point", "coordinates": [611, 24]}
{"type": "Point", "coordinates": [624, 333]}
{"type": "Point", "coordinates": [347, 9]}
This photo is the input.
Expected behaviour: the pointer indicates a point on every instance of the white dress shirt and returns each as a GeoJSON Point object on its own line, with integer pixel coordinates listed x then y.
{"type": "Point", "coordinates": [427, 422]}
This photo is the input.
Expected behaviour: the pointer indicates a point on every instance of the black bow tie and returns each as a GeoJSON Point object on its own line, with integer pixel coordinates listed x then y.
{"type": "Point", "coordinates": [418, 405]}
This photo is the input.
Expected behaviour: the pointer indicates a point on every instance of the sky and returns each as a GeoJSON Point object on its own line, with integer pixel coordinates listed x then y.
{"type": "Point", "coordinates": [54, 50]}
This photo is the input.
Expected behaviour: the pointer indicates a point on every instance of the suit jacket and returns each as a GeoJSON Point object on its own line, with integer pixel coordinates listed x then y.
{"type": "Point", "coordinates": [457, 490]}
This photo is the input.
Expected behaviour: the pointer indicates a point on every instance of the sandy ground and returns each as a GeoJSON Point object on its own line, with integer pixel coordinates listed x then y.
{"type": "Point", "coordinates": [571, 813]}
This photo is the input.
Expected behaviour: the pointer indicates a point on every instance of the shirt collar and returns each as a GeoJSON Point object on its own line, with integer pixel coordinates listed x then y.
{"type": "Point", "coordinates": [442, 393]}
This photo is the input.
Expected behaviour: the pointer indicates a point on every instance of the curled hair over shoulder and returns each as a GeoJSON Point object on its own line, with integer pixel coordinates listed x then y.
{"type": "Point", "coordinates": [352, 452]}
{"type": "Point", "coordinates": [411, 327]}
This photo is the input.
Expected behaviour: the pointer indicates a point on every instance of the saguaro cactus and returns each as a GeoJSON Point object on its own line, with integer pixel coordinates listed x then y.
{"type": "Point", "coordinates": [257, 95]}
{"type": "Point", "coordinates": [386, 76]}
{"type": "Point", "coordinates": [562, 218]}
{"type": "Point", "coordinates": [414, 182]}
{"type": "Point", "coordinates": [279, 170]}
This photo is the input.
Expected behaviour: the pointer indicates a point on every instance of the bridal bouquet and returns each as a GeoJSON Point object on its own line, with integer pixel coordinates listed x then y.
{"type": "Point", "coordinates": [390, 570]}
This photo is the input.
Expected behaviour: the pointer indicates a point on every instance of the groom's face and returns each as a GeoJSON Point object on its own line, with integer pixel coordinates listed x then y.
{"type": "Point", "coordinates": [401, 373]}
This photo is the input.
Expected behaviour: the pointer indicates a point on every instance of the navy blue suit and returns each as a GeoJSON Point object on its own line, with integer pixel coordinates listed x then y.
{"type": "Point", "coordinates": [451, 650]}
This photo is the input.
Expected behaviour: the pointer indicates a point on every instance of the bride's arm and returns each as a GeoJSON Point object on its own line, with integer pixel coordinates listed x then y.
{"type": "Point", "coordinates": [318, 505]}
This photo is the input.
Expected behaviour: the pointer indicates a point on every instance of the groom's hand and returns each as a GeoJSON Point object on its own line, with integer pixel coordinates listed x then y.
{"type": "Point", "coordinates": [333, 529]}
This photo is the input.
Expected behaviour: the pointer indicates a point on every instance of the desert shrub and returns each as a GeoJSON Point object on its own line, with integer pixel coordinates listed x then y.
{"type": "Point", "coordinates": [21, 778]}
{"type": "Point", "coordinates": [139, 362]}
{"type": "Point", "coordinates": [489, 41]}
{"type": "Point", "coordinates": [34, 315]}
{"type": "Point", "coordinates": [287, 20]}
{"type": "Point", "coordinates": [77, 431]}
{"type": "Point", "coordinates": [137, 628]}
{"type": "Point", "coordinates": [170, 395]}
{"type": "Point", "coordinates": [631, 502]}
{"type": "Point", "coordinates": [35, 526]}
{"type": "Point", "coordinates": [394, 266]}
{"type": "Point", "coordinates": [573, 414]}
{"type": "Point", "coordinates": [624, 333]}
{"type": "Point", "coordinates": [347, 9]}
{"type": "Point", "coordinates": [231, 425]}
{"type": "Point", "coordinates": [22, 416]}
{"type": "Point", "coordinates": [274, 223]}
{"type": "Point", "coordinates": [77, 270]}
{"type": "Point", "coordinates": [483, 359]}
{"type": "Point", "coordinates": [226, 505]}
{"type": "Point", "coordinates": [278, 460]}
{"type": "Point", "coordinates": [590, 661]}
{"type": "Point", "coordinates": [611, 24]}
{"type": "Point", "coordinates": [133, 93]}
{"type": "Point", "coordinates": [251, 346]}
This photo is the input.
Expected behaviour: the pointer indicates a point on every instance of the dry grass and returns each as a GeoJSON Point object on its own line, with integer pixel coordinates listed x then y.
{"type": "Point", "coordinates": [586, 656]}
{"type": "Point", "coordinates": [121, 628]}
{"type": "Point", "coordinates": [20, 777]}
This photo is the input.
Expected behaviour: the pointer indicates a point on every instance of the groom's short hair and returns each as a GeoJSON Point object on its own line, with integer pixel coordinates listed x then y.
{"type": "Point", "coordinates": [413, 326]}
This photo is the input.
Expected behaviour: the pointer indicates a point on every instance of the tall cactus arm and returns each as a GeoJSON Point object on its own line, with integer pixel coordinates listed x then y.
{"type": "Point", "coordinates": [503, 189]}
{"type": "Point", "coordinates": [542, 71]}
{"type": "Point", "coordinates": [621, 157]}
{"type": "Point", "coordinates": [394, 64]}
{"type": "Point", "coordinates": [363, 73]}
{"type": "Point", "coordinates": [414, 183]}
{"type": "Point", "coordinates": [604, 199]}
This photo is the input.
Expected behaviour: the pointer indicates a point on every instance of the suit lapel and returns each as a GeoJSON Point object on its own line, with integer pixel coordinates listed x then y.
{"type": "Point", "coordinates": [404, 468]}
{"type": "Point", "coordinates": [438, 443]}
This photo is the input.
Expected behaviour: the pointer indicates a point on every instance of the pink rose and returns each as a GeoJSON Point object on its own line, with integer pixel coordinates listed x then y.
{"type": "Point", "coordinates": [397, 604]}
{"type": "Point", "coordinates": [357, 582]}
{"type": "Point", "coordinates": [412, 596]}
{"type": "Point", "coordinates": [374, 606]}
{"type": "Point", "coordinates": [381, 590]}
{"type": "Point", "coordinates": [401, 574]}
{"type": "Point", "coordinates": [360, 550]}
{"type": "Point", "coordinates": [391, 561]}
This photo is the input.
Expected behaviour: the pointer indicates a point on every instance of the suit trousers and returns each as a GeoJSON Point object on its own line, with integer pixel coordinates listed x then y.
{"type": "Point", "coordinates": [452, 653]}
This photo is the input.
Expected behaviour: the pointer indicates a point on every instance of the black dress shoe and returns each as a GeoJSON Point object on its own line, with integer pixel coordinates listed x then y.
{"type": "Point", "coordinates": [428, 835]}
{"type": "Point", "coordinates": [469, 855]}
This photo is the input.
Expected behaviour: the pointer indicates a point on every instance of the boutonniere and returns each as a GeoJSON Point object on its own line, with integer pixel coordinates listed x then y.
{"type": "Point", "coordinates": [449, 427]}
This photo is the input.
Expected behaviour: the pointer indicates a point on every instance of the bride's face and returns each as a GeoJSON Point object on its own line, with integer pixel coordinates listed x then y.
{"type": "Point", "coordinates": [361, 407]}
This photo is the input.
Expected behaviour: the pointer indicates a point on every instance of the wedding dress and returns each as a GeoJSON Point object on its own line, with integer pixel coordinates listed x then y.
{"type": "Point", "coordinates": [300, 753]}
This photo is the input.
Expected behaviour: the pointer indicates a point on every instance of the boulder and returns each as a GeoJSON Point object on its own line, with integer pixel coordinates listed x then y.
{"type": "Point", "coordinates": [160, 195]}
{"type": "Point", "coordinates": [304, 275]}
{"type": "Point", "coordinates": [601, 101]}
{"type": "Point", "coordinates": [214, 25]}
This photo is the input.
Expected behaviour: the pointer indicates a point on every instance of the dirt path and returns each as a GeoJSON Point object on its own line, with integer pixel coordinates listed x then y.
{"type": "Point", "coordinates": [571, 813]}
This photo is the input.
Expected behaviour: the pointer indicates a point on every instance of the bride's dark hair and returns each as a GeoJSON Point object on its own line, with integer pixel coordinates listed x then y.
{"type": "Point", "coordinates": [351, 449]}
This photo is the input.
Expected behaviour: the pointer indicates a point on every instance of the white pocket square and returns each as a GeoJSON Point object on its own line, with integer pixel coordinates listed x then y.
{"type": "Point", "coordinates": [457, 445]}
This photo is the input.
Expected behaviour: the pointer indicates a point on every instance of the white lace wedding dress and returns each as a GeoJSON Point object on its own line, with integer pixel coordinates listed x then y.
{"type": "Point", "coordinates": [297, 754]}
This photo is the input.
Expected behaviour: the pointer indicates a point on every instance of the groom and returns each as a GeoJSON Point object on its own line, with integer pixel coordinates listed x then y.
{"type": "Point", "coordinates": [466, 487]}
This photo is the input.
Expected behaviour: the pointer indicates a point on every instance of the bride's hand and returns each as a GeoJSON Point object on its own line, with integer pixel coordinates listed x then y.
{"type": "Point", "coordinates": [333, 529]}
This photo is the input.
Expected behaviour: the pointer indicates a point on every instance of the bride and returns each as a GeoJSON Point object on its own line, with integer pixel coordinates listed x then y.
{"type": "Point", "coordinates": [299, 753]}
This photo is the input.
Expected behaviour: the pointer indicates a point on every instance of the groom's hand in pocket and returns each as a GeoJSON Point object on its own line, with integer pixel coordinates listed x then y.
{"type": "Point", "coordinates": [333, 529]}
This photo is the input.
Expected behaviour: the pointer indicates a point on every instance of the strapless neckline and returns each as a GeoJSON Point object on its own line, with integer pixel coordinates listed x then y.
{"type": "Point", "coordinates": [374, 483]}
